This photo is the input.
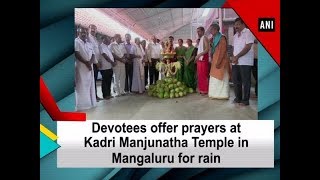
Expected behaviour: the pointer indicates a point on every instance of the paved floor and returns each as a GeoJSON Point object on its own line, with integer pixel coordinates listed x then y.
{"type": "Point", "coordinates": [192, 106]}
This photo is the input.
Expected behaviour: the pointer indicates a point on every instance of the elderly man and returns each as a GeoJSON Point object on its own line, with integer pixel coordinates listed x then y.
{"type": "Point", "coordinates": [138, 85]}
{"type": "Point", "coordinates": [220, 68]}
{"type": "Point", "coordinates": [129, 64]}
{"type": "Point", "coordinates": [242, 61]}
{"type": "Point", "coordinates": [154, 55]}
{"type": "Point", "coordinates": [84, 75]}
{"type": "Point", "coordinates": [119, 69]}
{"type": "Point", "coordinates": [96, 66]}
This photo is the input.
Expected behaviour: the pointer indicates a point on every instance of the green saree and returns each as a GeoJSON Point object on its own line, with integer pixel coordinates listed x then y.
{"type": "Point", "coordinates": [189, 77]}
{"type": "Point", "coordinates": [180, 51]}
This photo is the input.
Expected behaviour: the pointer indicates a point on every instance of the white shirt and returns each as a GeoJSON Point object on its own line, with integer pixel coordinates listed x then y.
{"type": "Point", "coordinates": [239, 43]}
{"type": "Point", "coordinates": [123, 48]}
{"type": "Point", "coordinates": [201, 48]}
{"type": "Point", "coordinates": [117, 49]}
{"type": "Point", "coordinates": [84, 48]}
{"type": "Point", "coordinates": [154, 50]}
{"type": "Point", "coordinates": [95, 44]}
{"type": "Point", "coordinates": [104, 63]}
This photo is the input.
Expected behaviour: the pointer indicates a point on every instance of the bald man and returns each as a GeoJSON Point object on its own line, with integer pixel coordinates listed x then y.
{"type": "Point", "coordinates": [96, 66]}
{"type": "Point", "coordinates": [84, 75]}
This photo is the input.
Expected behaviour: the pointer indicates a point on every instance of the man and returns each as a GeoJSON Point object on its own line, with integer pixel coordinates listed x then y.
{"type": "Point", "coordinates": [129, 64]}
{"type": "Point", "coordinates": [242, 61]}
{"type": "Point", "coordinates": [92, 39]}
{"type": "Point", "coordinates": [107, 62]}
{"type": "Point", "coordinates": [202, 62]}
{"type": "Point", "coordinates": [119, 69]}
{"type": "Point", "coordinates": [220, 68]}
{"type": "Point", "coordinates": [255, 67]}
{"type": "Point", "coordinates": [197, 43]}
{"type": "Point", "coordinates": [84, 75]}
{"type": "Point", "coordinates": [153, 51]}
{"type": "Point", "coordinates": [138, 85]}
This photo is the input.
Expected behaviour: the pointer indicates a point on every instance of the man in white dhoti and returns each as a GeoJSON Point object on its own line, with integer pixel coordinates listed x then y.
{"type": "Point", "coordinates": [119, 70]}
{"type": "Point", "coordinates": [84, 74]}
{"type": "Point", "coordinates": [96, 66]}
{"type": "Point", "coordinates": [138, 85]}
{"type": "Point", "coordinates": [220, 68]}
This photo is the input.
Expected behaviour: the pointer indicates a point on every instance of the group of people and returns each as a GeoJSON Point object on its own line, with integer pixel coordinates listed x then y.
{"type": "Point", "coordinates": [132, 65]}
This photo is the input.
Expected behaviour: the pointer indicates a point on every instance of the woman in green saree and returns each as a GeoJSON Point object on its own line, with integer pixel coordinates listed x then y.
{"type": "Point", "coordinates": [180, 53]}
{"type": "Point", "coordinates": [189, 76]}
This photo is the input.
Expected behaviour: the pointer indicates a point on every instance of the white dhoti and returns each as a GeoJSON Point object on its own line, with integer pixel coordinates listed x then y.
{"type": "Point", "coordinates": [85, 88]}
{"type": "Point", "coordinates": [138, 71]}
{"type": "Point", "coordinates": [119, 77]}
{"type": "Point", "coordinates": [219, 89]}
{"type": "Point", "coordinates": [138, 76]}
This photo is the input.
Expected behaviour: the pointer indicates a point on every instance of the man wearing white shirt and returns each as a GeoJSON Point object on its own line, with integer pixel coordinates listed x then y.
{"type": "Point", "coordinates": [202, 59]}
{"type": "Point", "coordinates": [106, 62]}
{"type": "Point", "coordinates": [84, 75]}
{"type": "Point", "coordinates": [242, 62]}
{"type": "Point", "coordinates": [153, 51]}
{"type": "Point", "coordinates": [93, 40]}
{"type": "Point", "coordinates": [118, 52]}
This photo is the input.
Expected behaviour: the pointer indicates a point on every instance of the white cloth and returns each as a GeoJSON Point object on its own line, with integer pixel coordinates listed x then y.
{"type": "Point", "coordinates": [119, 70]}
{"type": "Point", "coordinates": [96, 47]}
{"type": "Point", "coordinates": [84, 78]}
{"type": "Point", "coordinates": [219, 89]}
{"type": "Point", "coordinates": [85, 48]}
{"type": "Point", "coordinates": [123, 48]}
{"type": "Point", "coordinates": [119, 77]}
{"type": "Point", "coordinates": [117, 49]}
{"type": "Point", "coordinates": [201, 47]}
{"type": "Point", "coordinates": [143, 53]}
{"type": "Point", "coordinates": [154, 50]}
{"type": "Point", "coordinates": [104, 63]}
{"type": "Point", "coordinates": [138, 71]}
{"type": "Point", "coordinates": [246, 37]}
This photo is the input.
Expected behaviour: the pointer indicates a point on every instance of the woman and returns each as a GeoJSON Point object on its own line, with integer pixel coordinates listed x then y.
{"type": "Point", "coordinates": [189, 76]}
{"type": "Point", "coordinates": [138, 69]}
{"type": "Point", "coordinates": [180, 53]}
{"type": "Point", "coordinates": [220, 69]}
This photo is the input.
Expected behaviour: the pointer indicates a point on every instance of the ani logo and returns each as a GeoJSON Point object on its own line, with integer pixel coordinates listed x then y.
{"type": "Point", "coordinates": [266, 24]}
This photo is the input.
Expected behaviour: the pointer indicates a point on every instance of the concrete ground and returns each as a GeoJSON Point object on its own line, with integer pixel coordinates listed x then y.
{"type": "Point", "coordinates": [192, 106]}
